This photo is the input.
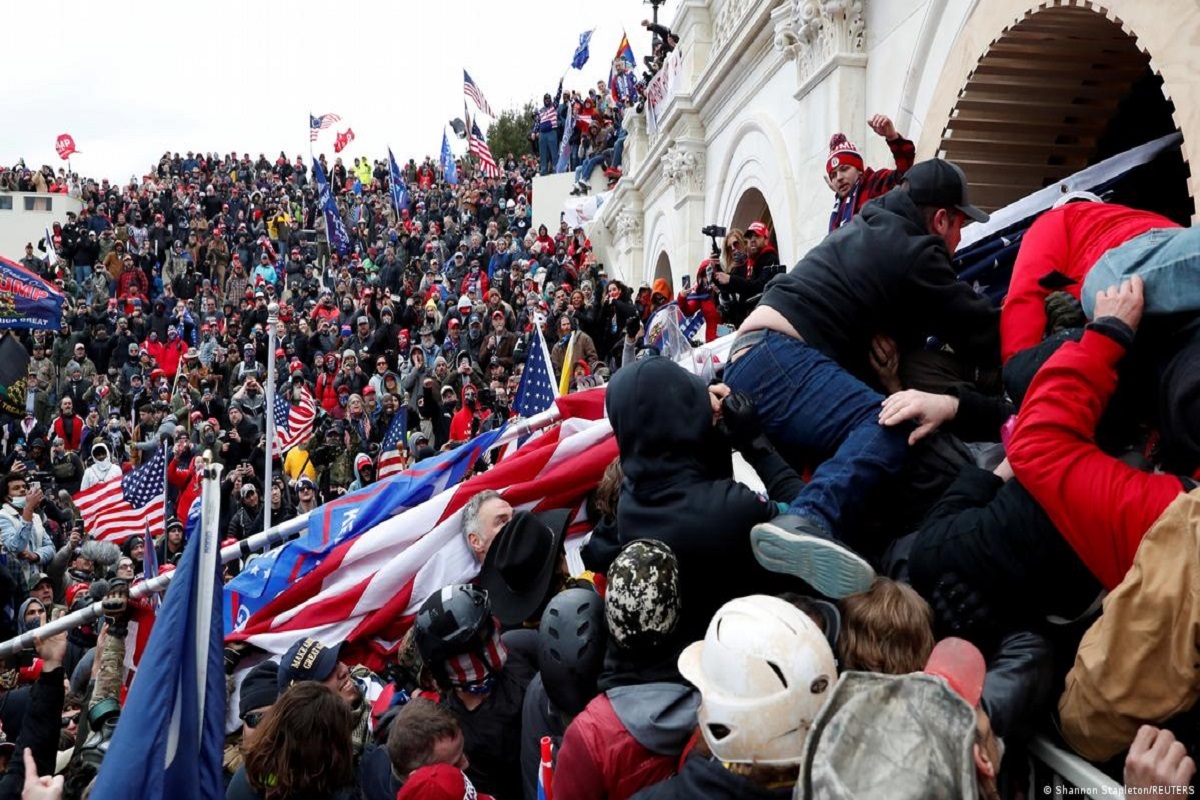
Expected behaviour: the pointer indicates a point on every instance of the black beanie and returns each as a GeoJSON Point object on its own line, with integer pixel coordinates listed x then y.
{"type": "Point", "coordinates": [260, 688]}
{"type": "Point", "coordinates": [1179, 400]}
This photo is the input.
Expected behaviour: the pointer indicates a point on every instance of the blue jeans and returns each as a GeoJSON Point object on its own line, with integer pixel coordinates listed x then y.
{"type": "Point", "coordinates": [807, 402]}
{"type": "Point", "coordinates": [619, 148]}
{"type": "Point", "coordinates": [1166, 259]}
{"type": "Point", "coordinates": [547, 152]}
{"type": "Point", "coordinates": [584, 173]}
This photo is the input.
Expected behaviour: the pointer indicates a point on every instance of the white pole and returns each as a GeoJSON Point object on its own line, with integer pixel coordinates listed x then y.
{"type": "Point", "coordinates": [272, 321]}
{"type": "Point", "coordinates": [207, 583]}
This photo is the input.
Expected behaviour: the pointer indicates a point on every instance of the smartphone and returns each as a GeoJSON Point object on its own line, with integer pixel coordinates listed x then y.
{"type": "Point", "coordinates": [687, 282]}
{"type": "Point", "coordinates": [34, 486]}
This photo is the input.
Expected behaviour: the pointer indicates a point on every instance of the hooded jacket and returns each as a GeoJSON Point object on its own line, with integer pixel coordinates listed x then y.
{"type": "Point", "coordinates": [679, 488]}
{"type": "Point", "coordinates": [707, 778]}
{"type": "Point", "coordinates": [100, 471]}
{"type": "Point", "coordinates": [883, 273]}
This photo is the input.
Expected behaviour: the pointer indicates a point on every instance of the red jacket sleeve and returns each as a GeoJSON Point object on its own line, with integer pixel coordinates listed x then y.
{"type": "Point", "coordinates": [576, 773]}
{"type": "Point", "coordinates": [1023, 314]}
{"type": "Point", "coordinates": [1102, 506]}
{"type": "Point", "coordinates": [178, 476]}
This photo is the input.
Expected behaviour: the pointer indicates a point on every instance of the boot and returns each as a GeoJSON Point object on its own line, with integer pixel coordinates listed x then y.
{"type": "Point", "coordinates": [795, 545]}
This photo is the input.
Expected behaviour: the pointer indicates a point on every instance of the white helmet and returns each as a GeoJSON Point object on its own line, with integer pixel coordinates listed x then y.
{"type": "Point", "coordinates": [764, 670]}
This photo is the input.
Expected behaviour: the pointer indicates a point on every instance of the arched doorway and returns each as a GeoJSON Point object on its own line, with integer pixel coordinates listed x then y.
{"type": "Point", "coordinates": [662, 269]}
{"type": "Point", "coordinates": [752, 207]}
{"type": "Point", "coordinates": [1063, 88]}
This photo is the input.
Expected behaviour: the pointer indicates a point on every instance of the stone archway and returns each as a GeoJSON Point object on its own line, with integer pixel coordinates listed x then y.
{"type": "Point", "coordinates": [1064, 85]}
{"type": "Point", "coordinates": [662, 269]}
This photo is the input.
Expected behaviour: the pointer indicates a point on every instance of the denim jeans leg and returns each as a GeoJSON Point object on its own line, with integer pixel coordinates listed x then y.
{"type": "Point", "coordinates": [619, 148]}
{"type": "Point", "coordinates": [1166, 259]}
{"type": "Point", "coordinates": [806, 401]}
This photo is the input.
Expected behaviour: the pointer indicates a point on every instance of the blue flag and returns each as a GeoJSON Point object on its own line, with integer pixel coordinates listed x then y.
{"type": "Point", "coordinates": [27, 301]}
{"type": "Point", "coordinates": [538, 389]}
{"type": "Point", "coordinates": [449, 168]}
{"type": "Point", "coordinates": [397, 185]}
{"type": "Point", "coordinates": [581, 52]}
{"type": "Point", "coordinates": [335, 229]}
{"type": "Point", "coordinates": [346, 518]}
{"type": "Point", "coordinates": [171, 734]}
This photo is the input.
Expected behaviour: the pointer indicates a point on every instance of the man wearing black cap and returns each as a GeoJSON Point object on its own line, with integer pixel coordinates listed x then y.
{"type": "Point", "coordinates": [311, 660]}
{"type": "Point", "coordinates": [803, 355]}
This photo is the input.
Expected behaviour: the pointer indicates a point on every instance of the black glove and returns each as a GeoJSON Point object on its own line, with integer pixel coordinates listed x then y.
{"type": "Point", "coordinates": [631, 326]}
{"type": "Point", "coordinates": [961, 610]}
{"type": "Point", "coordinates": [739, 423]}
{"type": "Point", "coordinates": [1062, 313]}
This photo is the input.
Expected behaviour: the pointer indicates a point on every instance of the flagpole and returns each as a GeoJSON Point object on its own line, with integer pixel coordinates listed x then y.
{"type": "Point", "coordinates": [259, 541]}
{"type": "Point", "coordinates": [272, 322]}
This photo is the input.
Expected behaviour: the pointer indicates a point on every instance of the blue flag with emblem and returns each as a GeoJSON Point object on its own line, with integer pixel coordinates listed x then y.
{"type": "Point", "coordinates": [170, 736]}
{"type": "Point", "coordinates": [335, 229]}
{"type": "Point", "coordinates": [396, 184]}
{"type": "Point", "coordinates": [538, 389]}
{"type": "Point", "coordinates": [26, 301]}
{"type": "Point", "coordinates": [449, 168]}
{"type": "Point", "coordinates": [346, 518]}
{"type": "Point", "coordinates": [581, 52]}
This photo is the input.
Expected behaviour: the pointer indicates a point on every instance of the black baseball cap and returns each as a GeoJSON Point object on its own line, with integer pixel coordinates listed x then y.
{"type": "Point", "coordinates": [307, 660]}
{"type": "Point", "coordinates": [938, 182]}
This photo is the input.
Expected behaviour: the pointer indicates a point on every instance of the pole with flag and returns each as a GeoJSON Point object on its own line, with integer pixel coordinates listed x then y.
{"type": "Point", "coordinates": [581, 52]}
{"type": "Point", "coordinates": [272, 321]}
{"type": "Point", "coordinates": [396, 184]}
{"type": "Point", "coordinates": [449, 169]}
{"type": "Point", "coordinates": [170, 737]}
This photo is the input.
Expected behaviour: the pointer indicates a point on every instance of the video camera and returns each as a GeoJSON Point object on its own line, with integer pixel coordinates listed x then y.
{"type": "Point", "coordinates": [714, 232]}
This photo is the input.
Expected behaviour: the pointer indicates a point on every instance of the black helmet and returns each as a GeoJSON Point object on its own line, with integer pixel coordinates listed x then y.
{"type": "Point", "coordinates": [454, 621]}
{"type": "Point", "coordinates": [571, 643]}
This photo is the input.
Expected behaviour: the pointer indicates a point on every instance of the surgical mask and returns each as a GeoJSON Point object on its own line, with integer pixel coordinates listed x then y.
{"type": "Point", "coordinates": [18, 502]}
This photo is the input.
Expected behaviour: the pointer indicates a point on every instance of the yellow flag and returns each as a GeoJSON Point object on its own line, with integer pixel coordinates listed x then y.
{"type": "Point", "coordinates": [564, 382]}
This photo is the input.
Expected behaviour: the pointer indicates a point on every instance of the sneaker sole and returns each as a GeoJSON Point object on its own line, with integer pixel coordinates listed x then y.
{"type": "Point", "coordinates": [828, 567]}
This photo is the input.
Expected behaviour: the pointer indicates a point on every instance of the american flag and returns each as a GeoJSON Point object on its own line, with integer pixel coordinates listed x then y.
{"type": "Point", "coordinates": [390, 460]}
{"type": "Point", "coordinates": [367, 590]}
{"type": "Point", "coordinates": [122, 507]}
{"type": "Point", "coordinates": [478, 147]}
{"type": "Point", "coordinates": [318, 124]}
{"type": "Point", "coordinates": [537, 391]}
{"type": "Point", "coordinates": [472, 91]}
{"type": "Point", "coordinates": [293, 421]}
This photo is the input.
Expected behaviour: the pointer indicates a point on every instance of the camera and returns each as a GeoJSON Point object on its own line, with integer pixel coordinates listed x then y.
{"type": "Point", "coordinates": [715, 231]}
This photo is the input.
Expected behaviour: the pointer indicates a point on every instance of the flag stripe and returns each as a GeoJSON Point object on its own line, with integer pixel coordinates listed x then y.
{"type": "Point", "coordinates": [123, 507]}
{"type": "Point", "coordinates": [472, 91]}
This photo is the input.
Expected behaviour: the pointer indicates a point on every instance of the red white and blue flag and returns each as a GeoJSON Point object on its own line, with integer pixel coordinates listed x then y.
{"type": "Point", "coordinates": [318, 124]}
{"type": "Point", "coordinates": [122, 507]}
{"type": "Point", "coordinates": [478, 147]}
{"type": "Point", "coordinates": [367, 590]}
{"type": "Point", "coordinates": [293, 421]}
{"type": "Point", "coordinates": [391, 458]}
{"type": "Point", "coordinates": [472, 91]}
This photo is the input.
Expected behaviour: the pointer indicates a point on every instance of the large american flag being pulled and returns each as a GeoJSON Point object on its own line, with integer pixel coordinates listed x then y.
{"type": "Point", "coordinates": [293, 421]}
{"type": "Point", "coordinates": [122, 507]}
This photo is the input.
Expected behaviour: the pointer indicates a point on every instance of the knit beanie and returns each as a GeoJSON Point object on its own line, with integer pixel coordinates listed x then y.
{"type": "Point", "coordinates": [842, 151]}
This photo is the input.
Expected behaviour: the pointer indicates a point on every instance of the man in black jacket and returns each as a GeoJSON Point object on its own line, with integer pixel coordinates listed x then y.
{"type": "Point", "coordinates": [679, 486]}
{"type": "Point", "coordinates": [798, 352]}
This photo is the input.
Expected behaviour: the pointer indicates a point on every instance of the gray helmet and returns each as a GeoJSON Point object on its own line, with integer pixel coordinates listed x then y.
{"type": "Point", "coordinates": [451, 622]}
{"type": "Point", "coordinates": [571, 644]}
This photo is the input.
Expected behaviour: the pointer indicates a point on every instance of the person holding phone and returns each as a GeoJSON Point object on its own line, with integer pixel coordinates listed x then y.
{"type": "Point", "coordinates": [22, 531]}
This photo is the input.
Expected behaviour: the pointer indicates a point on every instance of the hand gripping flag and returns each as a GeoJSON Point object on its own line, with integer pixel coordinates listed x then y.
{"type": "Point", "coordinates": [171, 733]}
{"type": "Point", "coordinates": [366, 591]}
{"type": "Point", "coordinates": [122, 507]}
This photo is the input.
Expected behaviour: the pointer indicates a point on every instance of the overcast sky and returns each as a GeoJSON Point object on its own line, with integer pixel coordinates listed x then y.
{"type": "Point", "coordinates": [129, 79]}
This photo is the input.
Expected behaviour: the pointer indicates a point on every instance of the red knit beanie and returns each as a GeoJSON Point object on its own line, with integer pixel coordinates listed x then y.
{"type": "Point", "coordinates": [842, 151]}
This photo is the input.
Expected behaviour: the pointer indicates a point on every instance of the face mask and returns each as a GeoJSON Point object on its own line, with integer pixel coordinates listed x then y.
{"type": "Point", "coordinates": [18, 502]}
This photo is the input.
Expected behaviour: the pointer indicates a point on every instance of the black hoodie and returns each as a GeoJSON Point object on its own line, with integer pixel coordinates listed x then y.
{"type": "Point", "coordinates": [884, 273]}
{"type": "Point", "coordinates": [679, 488]}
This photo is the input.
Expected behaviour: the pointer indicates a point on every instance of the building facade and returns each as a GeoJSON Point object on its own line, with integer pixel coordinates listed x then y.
{"type": "Point", "coordinates": [1020, 93]}
{"type": "Point", "coordinates": [25, 217]}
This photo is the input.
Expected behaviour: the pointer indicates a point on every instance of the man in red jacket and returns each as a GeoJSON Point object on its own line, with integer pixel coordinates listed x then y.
{"type": "Point", "coordinates": [1056, 254]}
{"type": "Point", "coordinates": [852, 181]}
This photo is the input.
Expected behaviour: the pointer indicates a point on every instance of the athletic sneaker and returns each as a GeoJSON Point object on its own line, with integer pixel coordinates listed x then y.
{"type": "Point", "coordinates": [795, 545]}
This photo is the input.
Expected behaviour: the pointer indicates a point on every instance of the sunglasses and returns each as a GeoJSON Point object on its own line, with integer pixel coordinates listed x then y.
{"type": "Point", "coordinates": [253, 718]}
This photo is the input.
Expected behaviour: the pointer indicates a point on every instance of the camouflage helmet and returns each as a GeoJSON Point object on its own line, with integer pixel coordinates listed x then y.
{"type": "Point", "coordinates": [642, 605]}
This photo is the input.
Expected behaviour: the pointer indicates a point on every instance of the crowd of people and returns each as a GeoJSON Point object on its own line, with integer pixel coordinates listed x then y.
{"type": "Point", "coordinates": [976, 525]}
